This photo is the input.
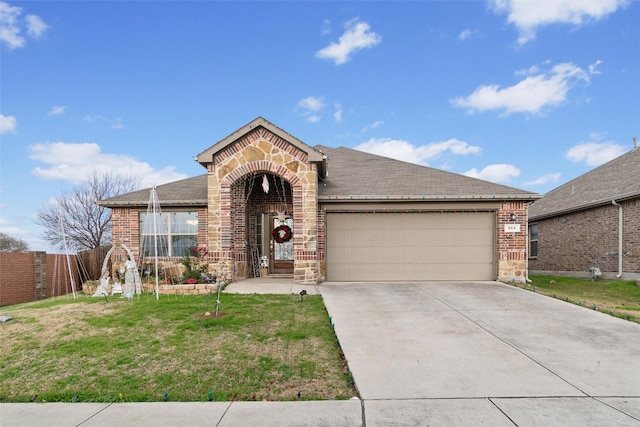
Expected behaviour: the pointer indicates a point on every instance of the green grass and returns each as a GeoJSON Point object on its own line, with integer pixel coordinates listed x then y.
{"type": "Point", "coordinates": [619, 298]}
{"type": "Point", "coordinates": [262, 347]}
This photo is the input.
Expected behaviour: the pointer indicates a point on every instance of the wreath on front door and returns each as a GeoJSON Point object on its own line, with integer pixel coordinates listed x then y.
{"type": "Point", "coordinates": [282, 233]}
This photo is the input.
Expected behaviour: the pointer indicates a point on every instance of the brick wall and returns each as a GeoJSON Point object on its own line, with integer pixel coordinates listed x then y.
{"type": "Point", "coordinates": [32, 276]}
{"type": "Point", "coordinates": [575, 241]}
{"type": "Point", "coordinates": [512, 245]}
{"type": "Point", "coordinates": [125, 229]}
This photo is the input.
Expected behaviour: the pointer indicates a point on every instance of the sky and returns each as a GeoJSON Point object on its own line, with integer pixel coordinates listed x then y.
{"type": "Point", "coordinates": [529, 94]}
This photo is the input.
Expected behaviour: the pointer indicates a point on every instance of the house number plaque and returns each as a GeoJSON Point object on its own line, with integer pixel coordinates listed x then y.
{"type": "Point", "coordinates": [512, 228]}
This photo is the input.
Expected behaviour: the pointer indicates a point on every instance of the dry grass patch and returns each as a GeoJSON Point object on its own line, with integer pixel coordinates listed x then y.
{"type": "Point", "coordinates": [265, 347]}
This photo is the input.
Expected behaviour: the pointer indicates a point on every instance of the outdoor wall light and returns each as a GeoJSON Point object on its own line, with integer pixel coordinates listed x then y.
{"type": "Point", "coordinates": [514, 217]}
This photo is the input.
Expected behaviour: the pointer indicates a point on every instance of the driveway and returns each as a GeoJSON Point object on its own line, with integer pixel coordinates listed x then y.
{"type": "Point", "coordinates": [484, 353]}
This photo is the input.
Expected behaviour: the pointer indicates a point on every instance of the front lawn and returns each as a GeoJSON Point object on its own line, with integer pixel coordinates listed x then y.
{"type": "Point", "coordinates": [261, 347]}
{"type": "Point", "coordinates": [619, 298]}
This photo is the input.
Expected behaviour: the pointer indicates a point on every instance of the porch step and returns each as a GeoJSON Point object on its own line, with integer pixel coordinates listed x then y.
{"type": "Point", "coordinates": [278, 276]}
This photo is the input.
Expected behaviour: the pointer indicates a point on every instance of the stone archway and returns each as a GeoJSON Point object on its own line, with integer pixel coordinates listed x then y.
{"type": "Point", "coordinates": [248, 199]}
{"type": "Point", "coordinates": [231, 233]}
{"type": "Point", "coordinates": [261, 201]}
{"type": "Point", "coordinates": [260, 148]}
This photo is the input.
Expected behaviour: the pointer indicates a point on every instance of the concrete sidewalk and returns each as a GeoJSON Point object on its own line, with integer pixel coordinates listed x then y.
{"type": "Point", "coordinates": [437, 354]}
{"type": "Point", "coordinates": [155, 414]}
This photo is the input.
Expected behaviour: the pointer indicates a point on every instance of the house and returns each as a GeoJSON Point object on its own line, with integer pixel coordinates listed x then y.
{"type": "Point", "coordinates": [591, 224]}
{"type": "Point", "coordinates": [330, 214]}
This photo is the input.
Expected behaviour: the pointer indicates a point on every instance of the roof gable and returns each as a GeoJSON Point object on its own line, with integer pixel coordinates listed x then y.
{"type": "Point", "coordinates": [358, 175]}
{"type": "Point", "coordinates": [617, 179]}
{"type": "Point", "coordinates": [208, 155]}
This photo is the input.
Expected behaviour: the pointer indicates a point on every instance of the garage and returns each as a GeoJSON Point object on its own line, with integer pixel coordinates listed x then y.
{"type": "Point", "coordinates": [410, 246]}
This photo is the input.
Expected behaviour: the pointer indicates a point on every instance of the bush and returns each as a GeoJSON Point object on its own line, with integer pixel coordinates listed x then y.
{"type": "Point", "coordinates": [194, 264]}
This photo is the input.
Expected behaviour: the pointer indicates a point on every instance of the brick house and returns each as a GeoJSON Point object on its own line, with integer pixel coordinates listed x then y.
{"type": "Point", "coordinates": [591, 221]}
{"type": "Point", "coordinates": [332, 214]}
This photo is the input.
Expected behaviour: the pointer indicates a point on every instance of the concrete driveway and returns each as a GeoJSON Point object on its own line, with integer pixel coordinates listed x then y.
{"type": "Point", "coordinates": [484, 353]}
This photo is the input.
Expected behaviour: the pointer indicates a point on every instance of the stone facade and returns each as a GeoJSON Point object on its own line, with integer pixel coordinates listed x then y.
{"type": "Point", "coordinates": [570, 244]}
{"type": "Point", "coordinates": [231, 177]}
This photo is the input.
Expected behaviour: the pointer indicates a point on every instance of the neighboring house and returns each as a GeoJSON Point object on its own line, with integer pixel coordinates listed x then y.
{"type": "Point", "coordinates": [590, 222]}
{"type": "Point", "coordinates": [331, 214]}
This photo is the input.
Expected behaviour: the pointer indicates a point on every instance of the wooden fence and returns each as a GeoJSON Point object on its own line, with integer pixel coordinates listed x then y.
{"type": "Point", "coordinates": [91, 262]}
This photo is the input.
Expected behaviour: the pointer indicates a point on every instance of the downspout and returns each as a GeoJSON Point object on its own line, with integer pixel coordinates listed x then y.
{"type": "Point", "coordinates": [526, 266]}
{"type": "Point", "coordinates": [619, 275]}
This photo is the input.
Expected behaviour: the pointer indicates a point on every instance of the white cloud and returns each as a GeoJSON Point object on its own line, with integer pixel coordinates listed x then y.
{"type": "Point", "coordinates": [405, 151]}
{"type": "Point", "coordinates": [11, 231]}
{"type": "Point", "coordinates": [594, 153]}
{"type": "Point", "coordinates": [545, 179]}
{"type": "Point", "coordinates": [534, 69]}
{"type": "Point", "coordinates": [466, 33]}
{"type": "Point", "coordinates": [57, 110]}
{"type": "Point", "coordinates": [531, 95]}
{"type": "Point", "coordinates": [373, 125]}
{"type": "Point", "coordinates": [593, 67]}
{"type": "Point", "coordinates": [337, 115]}
{"type": "Point", "coordinates": [310, 106]}
{"type": "Point", "coordinates": [326, 27]}
{"type": "Point", "coordinates": [35, 26]}
{"type": "Point", "coordinates": [11, 25]}
{"type": "Point", "coordinates": [75, 162]}
{"type": "Point", "coordinates": [8, 124]}
{"type": "Point", "coordinates": [529, 15]}
{"type": "Point", "coordinates": [311, 103]}
{"type": "Point", "coordinates": [112, 123]}
{"type": "Point", "coordinates": [500, 173]}
{"type": "Point", "coordinates": [357, 36]}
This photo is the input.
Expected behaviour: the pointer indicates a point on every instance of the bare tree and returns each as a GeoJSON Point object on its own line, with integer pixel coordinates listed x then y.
{"type": "Point", "coordinates": [86, 225]}
{"type": "Point", "coordinates": [12, 244]}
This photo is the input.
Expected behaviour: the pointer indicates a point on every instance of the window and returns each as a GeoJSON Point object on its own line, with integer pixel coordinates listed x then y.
{"type": "Point", "coordinates": [533, 240]}
{"type": "Point", "coordinates": [174, 232]}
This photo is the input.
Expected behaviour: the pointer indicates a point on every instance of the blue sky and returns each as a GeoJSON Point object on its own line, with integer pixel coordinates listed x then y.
{"type": "Point", "coordinates": [529, 94]}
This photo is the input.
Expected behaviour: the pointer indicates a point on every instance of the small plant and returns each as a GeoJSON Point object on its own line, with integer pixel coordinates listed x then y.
{"type": "Point", "coordinates": [194, 264]}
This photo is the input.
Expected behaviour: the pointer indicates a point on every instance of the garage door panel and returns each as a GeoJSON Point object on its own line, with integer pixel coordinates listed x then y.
{"type": "Point", "coordinates": [413, 238]}
{"type": "Point", "coordinates": [398, 272]}
{"type": "Point", "coordinates": [411, 246]}
{"type": "Point", "coordinates": [406, 255]}
{"type": "Point", "coordinates": [453, 220]}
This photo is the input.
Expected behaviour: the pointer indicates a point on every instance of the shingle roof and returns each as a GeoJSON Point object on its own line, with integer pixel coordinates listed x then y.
{"type": "Point", "coordinates": [353, 175]}
{"type": "Point", "coordinates": [358, 175]}
{"type": "Point", "coordinates": [186, 192]}
{"type": "Point", "coordinates": [616, 180]}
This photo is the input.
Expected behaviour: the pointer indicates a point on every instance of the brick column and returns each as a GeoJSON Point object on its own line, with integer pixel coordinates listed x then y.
{"type": "Point", "coordinates": [512, 245]}
{"type": "Point", "coordinates": [40, 275]}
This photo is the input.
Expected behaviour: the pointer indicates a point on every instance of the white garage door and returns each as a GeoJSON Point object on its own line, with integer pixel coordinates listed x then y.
{"type": "Point", "coordinates": [410, 246]}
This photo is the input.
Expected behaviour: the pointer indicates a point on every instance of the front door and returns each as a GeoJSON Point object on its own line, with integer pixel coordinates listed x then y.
{"type": "Point", "coordinates": [281, 245]}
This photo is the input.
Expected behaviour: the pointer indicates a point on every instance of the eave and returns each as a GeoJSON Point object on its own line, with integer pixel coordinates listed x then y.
{"type": "Point", "coordinates": [584, 206]}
